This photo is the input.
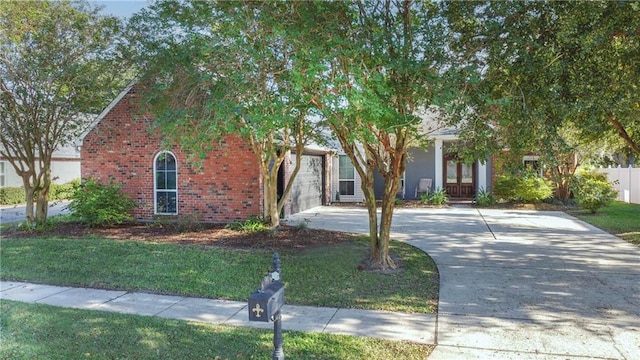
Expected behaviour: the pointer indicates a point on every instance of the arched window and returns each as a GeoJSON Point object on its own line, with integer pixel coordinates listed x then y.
{"type": "Point", "coordinates": [165, 171]}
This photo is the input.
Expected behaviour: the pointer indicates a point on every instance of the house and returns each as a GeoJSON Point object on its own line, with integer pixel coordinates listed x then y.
{"type": "Point", "coordinates": [228, 186]}
{"type": "Point", "coordinates": [436, 167]}
{"type": "Point", "coordinates": [65, 167]}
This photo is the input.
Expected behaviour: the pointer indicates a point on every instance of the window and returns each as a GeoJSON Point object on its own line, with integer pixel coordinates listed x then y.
{"type": "Point", "coordinates": [2, 173]}
{"type": "Point", "coordinates": [531, 163]}
{"type": "Point", "coordinates": [346, 176]}
{"type": "Point", "coordinates": [165, 172]}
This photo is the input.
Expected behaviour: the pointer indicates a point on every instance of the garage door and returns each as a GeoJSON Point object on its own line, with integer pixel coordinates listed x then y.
{"type": "Point", "coordinates": [308, 186]}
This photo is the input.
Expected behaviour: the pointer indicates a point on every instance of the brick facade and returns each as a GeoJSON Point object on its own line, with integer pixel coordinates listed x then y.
{"type": "Point", "coordinates": [228, 186]}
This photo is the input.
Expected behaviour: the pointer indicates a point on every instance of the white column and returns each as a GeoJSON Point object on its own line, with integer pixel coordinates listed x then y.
{"type": "Point", "coordinates": [482, 175]}
{"type": "Point", "coordinates": [438, 180]}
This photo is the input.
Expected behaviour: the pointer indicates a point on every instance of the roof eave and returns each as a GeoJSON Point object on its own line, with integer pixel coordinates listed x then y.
{"type": "Point", "coordinates": [104, 113]}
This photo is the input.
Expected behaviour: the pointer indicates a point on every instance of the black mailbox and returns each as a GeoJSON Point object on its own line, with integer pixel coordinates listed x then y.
{"type": "Point", "coordinates": [265, 303]}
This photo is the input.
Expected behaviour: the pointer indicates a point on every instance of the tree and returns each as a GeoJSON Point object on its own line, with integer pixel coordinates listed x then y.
{"type": "Point", "coordinates": [552, 76]}
{"type": "Point", "coordinates": [215, 69]}
{"type": "Point", "coordinates": [55, 67]}
{"type": "Point", "coordinates": [382, 63]}
{"type": "Point", "coordinates": [601, 46]}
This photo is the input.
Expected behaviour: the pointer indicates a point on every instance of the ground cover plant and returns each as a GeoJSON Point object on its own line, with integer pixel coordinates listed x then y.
{"type": "Point", "coordinates": [319, 267]}
{"type": "Point", "coordinates": [33, 331]}
{"type": "Point", "coordinates": [620, 219]}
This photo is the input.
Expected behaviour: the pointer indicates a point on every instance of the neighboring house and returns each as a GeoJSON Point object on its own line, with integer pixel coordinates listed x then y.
{"type": "Point", "coordinates": [121, 147]}
{"type": "Point", "coordinates": [65, 167]}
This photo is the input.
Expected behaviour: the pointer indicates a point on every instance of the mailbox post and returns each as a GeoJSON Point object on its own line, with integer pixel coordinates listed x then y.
{"type": "Point", "coordinates": [266, 303]}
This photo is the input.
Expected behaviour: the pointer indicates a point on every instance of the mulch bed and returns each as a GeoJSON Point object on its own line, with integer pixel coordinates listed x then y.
{"type": "Point", "coordinates": [283, 238]}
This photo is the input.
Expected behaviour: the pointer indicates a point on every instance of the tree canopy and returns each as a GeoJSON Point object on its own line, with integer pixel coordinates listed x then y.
{"type": "Point", "coordinates": [56, 67]}
{"type": "Point", "coordinates": [530, 77]}
{"type": "Point", "coordinates": [213, 69]}
{"type": "Point", "coordinates": [383, 62]}
{"type": "Point", "coordinates": [544, 67]}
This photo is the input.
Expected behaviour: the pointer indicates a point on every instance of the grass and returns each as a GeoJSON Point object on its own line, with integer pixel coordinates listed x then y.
{"type": "Point", "coordinates": [620, 219]}
{"type": "Point", "coordinates": [31, 331]}
{"type": "Point", "coordinates": [324, 276]}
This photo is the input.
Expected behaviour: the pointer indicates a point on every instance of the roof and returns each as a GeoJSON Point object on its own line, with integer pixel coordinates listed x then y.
{"type": "Point", "coordinates": [434, 125]}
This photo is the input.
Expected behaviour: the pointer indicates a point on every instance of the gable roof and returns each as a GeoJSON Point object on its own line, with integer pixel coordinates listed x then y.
{"type": "Point", "coordinates": [434, 125]}
{"type": "Point", "coordinates": [104, 112]}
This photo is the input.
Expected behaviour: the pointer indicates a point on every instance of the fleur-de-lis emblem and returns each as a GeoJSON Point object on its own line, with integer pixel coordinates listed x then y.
{"type": "Point", "coordinates": [258, 310]}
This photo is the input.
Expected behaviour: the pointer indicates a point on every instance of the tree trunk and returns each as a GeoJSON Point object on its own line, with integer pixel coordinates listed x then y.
{"type": "Point", "coordinates": [294, 174]}
{"type": "Point", "coordinates": [29, 193]}
{"type": "Point", "coordinates": [370, 201]}
{"type": "Point", "coordinates": [42, 201]}
{"type": "Point", "coordinates": [42, 205]}
{"type": "Point", "coordinates": [273, 216]}
{"type": "Point", "coordinates": [380, 256]}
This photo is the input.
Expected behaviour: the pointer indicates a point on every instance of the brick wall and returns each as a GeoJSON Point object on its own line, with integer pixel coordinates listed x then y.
{"type": "Point", "coordinates": [228, 186]}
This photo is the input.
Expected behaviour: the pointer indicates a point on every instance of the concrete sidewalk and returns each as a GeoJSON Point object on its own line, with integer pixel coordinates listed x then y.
{"type": "Point", "coordinates": [513, 285]}
{"type": "Point", "coordinates": [517, 284]}
{"type": "Point", "coordinates": [419, 328]}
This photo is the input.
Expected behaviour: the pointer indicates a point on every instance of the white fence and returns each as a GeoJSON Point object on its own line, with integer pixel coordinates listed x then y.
{"type": "Point", "coordinates": [626, 181]}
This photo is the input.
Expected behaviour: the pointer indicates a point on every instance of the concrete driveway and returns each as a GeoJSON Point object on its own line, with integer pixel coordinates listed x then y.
{"type": "Point", "coordinates": [518, 284]}
{"type": "Point", "coordinates": [17, 213]}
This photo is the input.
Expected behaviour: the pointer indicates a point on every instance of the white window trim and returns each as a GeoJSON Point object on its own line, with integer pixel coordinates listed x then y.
{"type": "Point", "coordinates": [155, 190]}
{"type": "Point", "coordinates": [533, 158]}
{"type": "Point", "coordinates": [353, 180]}
{"type": "Point", "coordinates": [3, 173]}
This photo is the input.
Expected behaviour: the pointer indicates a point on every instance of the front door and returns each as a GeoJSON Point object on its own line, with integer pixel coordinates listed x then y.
{"type": "Point", "coordinates": [459, 178]}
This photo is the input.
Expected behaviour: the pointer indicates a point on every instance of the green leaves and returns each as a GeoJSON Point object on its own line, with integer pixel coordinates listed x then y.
{"type": "Point", "coordinates": [57, 64]}
{"type": "Point", "coordinates": [556, 64]}
{"type": "Point", "coordinates": [96, 204]}
{"type": "Point", "coordinates": [592, 191]}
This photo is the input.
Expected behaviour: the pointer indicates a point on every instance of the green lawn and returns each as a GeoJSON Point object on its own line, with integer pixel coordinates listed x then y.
{"type": "Point", "coordinates": [620, 219]}
{"type": "Point", "coordinates": [29, 331]}
{"type": "Point", "coordinates": [323, 276]}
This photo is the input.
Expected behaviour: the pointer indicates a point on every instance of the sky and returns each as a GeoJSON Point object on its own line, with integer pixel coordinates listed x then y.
{"type": "Point", "coordinates": [121, 8]}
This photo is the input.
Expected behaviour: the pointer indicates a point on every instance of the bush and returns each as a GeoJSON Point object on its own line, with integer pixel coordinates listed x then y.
{"type": "Point", "coordinates": [592, 191]}
{"type": "Point", "coordinates": [97, 204]}
{"type": "Point", "coordinates": [16, 195]}
{"type": "Point", "coordinates": [534, 189]}
{"type": "Point", "coordinates": [438, 197]}
{"type": "Point", "coordinates": [253, 224]}
{"type": "Point", "coordinates": [424, 197]}
{"type": "Point", "coordinates": [485, 198]}
{"type": "Point", "coordinates": [12, 196]}
{"type": "Point", "coordinates": [527, 187]}
{"type": "Point", "coordinates": [63, 191]}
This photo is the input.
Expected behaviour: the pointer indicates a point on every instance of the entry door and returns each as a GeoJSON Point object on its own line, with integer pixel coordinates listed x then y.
{"type": "Point", "coordinates": [459, 178]}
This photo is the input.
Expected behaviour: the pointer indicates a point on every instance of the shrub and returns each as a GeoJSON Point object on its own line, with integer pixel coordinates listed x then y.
{"type": "Point", "coordinates": [592, 191]}
{"type": "Point", "coordinates": [189, 223]}
{"type": "Point", "coordinates": [63, 191]}
{"type": "Point", "coordinates": [533, 188]}
{"type": "Point", "coordinates": [97, 204]}
{"type": "Point", "coordinates": [253, 224]}
{"type": "Point", "coordinates": [424, 197]}
{"type": "Point", "coordinates": [504, 187]}
{"type": "Point", "coordinates": [16, 195]}
{"type": "Point", "coordinates": [527, 187]}
{"type": "Point", "coordinates": [438, 197]}
{"type": "Point", "coordinates": [303, 226]}
{"type": "Point", "coordinates": [485, 198]}
{"type": "Point", "coordinates": [12, 195]}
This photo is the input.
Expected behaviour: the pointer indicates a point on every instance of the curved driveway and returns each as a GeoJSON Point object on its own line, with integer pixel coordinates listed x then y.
{"type": "Point", "coordinates": [518, 284]}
